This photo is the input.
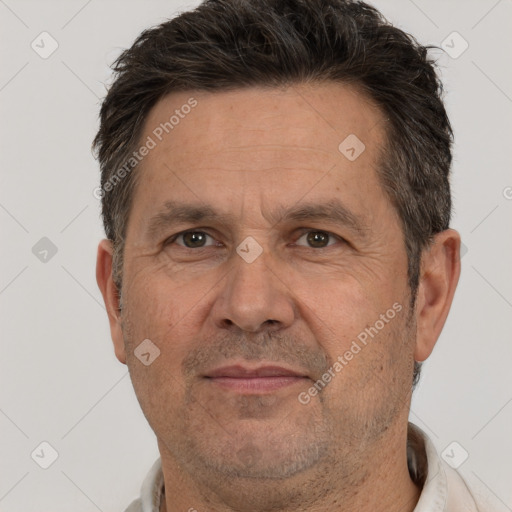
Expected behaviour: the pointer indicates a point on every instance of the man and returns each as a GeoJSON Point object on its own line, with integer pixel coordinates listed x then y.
{"type": "Point", "coordinates": [279, 260]}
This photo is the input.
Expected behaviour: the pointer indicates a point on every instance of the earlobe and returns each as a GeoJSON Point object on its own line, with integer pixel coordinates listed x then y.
{"type": "Point", "coordinates": [439, 275]}
{"type": "Point", "coordinates": [110, 296]}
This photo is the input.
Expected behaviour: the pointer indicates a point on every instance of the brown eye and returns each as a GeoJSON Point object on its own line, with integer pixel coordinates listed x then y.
{"type": "Point", "coordinates": [192, 239]}
{"type": "Point", "coordinates": [317, 239]}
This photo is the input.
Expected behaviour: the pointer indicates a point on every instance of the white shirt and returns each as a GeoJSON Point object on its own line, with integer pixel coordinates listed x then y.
{"type": "Point", "coordinates": [443, 490]}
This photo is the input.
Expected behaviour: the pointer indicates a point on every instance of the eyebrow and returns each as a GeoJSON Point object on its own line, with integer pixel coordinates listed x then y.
{"type": "Point", "coordinates": [176, 212]}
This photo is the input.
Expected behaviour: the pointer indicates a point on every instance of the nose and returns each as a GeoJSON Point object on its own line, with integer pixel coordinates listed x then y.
{"type": "Point", "coordinates": [254, 298]}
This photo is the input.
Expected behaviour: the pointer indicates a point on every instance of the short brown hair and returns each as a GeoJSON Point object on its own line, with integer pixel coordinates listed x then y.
{"type": "Point", "coordinates": [233, 44]}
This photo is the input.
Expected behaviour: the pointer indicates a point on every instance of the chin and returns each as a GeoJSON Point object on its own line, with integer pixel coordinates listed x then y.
{"type": "Point", "coordinates": [254, 450]}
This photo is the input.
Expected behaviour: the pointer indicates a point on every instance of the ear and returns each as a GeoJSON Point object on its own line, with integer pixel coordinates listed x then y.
{"type": "Point", "coordinates": [439, 275]}
{"type": "Point", "coordinates": [110, 296]}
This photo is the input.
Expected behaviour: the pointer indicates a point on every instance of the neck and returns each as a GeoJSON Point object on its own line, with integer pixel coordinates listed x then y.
{"type": "Point", "coordinates": [378, 483]}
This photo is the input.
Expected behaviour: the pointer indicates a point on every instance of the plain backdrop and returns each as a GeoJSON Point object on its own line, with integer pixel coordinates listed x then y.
{"type": "Point", "coordinates": [60, 382]}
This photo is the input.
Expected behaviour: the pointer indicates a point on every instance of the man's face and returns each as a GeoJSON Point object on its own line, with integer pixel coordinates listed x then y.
{"type": "Point", "coordinates": [256, 303]}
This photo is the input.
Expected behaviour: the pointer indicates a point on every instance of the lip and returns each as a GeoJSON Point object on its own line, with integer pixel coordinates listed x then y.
{"type": "Point", "coordinates": [243, 372]}
{"type": "Point", "coordinates": [263, 379]}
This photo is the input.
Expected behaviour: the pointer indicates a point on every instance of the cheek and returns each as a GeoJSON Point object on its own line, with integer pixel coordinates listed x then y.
{"type": "Point", "coordinates": [374, 372]}
{"type": "Point", "coordinates": [361, 325]}
{"type": "Point", "coordinates": [166, 313]}
{"type": "Point", "coordinates": [342, 302]}
{"type": "Point", "coordinates": [153, 314]}
{"type": "Point", "coordinates": [157, 302]}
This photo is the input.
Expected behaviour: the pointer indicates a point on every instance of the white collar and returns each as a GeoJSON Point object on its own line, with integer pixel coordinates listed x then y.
{"type": "Point", "coordinates": [443, 489]}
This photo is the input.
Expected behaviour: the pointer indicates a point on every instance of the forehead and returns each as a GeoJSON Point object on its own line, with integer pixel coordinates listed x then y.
{"type": "Point", "coordinates": [324, 138]}
{"type": "Point", "coordinates": [296, 119]}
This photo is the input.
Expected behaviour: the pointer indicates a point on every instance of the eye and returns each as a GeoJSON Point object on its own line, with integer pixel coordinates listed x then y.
{"type": "Point", "coordinates": [191, 239]}
{"type": "Point", "coordinates": [199, 239]}
{"type": "Point", "coordinates": [318, 239]}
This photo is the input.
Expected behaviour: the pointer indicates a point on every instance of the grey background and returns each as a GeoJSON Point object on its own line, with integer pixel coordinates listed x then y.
{"type": "Point", "coordinates": [60, 381]}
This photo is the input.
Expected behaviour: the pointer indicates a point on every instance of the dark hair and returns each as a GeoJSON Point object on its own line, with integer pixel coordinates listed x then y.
{"type": "Point", "coordinates": [233, 44]}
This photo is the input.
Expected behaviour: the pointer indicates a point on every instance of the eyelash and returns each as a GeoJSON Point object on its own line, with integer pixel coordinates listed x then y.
{"type": "Point", "coordinates": [305, 231]}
